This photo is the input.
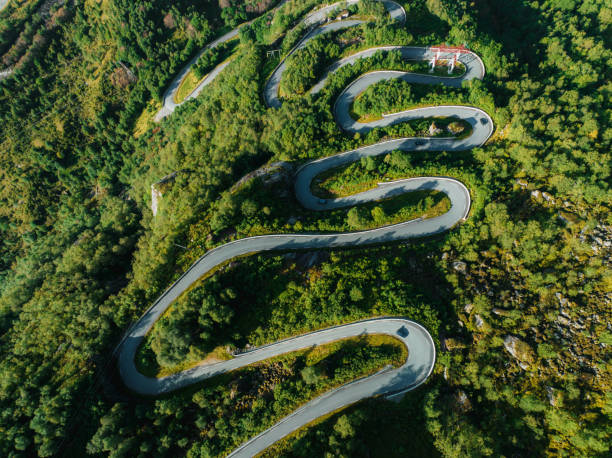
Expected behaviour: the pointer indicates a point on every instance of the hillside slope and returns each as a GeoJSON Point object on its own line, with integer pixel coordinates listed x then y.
{"type": "Point", "coordinates": [518, 298]}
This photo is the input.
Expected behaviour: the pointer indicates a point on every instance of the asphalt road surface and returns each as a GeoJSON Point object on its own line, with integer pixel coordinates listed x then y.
{"type": "Point", "coordinates": [312, 19]}
{"type": "Point", "coordinates": [271, 90]}
{"type": "Point", "coordinates": [421, 350]}
{"type": "Point", "coordinates": [169, 105]}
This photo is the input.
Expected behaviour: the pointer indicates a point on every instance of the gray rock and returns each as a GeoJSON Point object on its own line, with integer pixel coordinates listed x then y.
{"type": "Point", "coordinates": [562, 320]}
{"type": "Point", "coordinates": [522, 183]}
{"type": "Point", "coordinates": [562, 300]}
{"type": "Point", "coordinates": [157, 189]}
{"type": "Point", "coordinates": [520, 350]}
{"type": "Point", "coordinates": [434, 129]}
{"type": "Point", "coordinates": [462, 400]}
{"type": "Point", "coordinates": [563, 218]}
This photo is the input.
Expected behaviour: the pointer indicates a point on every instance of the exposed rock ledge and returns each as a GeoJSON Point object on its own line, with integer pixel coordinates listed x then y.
{"type": "Point", "coordinates": [158, 188]}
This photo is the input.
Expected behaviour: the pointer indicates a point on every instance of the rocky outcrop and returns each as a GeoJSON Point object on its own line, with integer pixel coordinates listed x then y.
{"type": "Point", "coordinates": [434, 129]}
{"type": "Point", "coordinates": [463, 403]}
{"type": "Point", "coordinates": [6, 73]}
{"type": "Point", "coordinates": [521, 351]}
{"type": "Point", "coordinates": [600, 240]}
{"type": "Point", "coordinates": [552, 395]}
{"type": "Point", "coordinates": [451, 343]}
{"type": "Point", "coordinates": [269, 174]}
{"type": "Point", "coordinates": [455, 128]}
{"type": "Point", "coordinates": [158, 188]}
{"type": "Point", "coordinates": [155, 196]}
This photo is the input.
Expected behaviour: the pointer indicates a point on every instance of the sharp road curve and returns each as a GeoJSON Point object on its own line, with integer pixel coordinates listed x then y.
{"type": "Point", "coordinates": [421, 348]}
{"type": "Point", "coordinates": [169, 103]}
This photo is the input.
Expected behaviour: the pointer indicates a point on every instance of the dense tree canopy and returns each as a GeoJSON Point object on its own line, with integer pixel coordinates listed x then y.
{"type": "Point", "coordinates": [517, 297]}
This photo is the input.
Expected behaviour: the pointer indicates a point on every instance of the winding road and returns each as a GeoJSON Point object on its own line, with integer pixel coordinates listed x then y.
{"type": "Point", "coordinates": [421, 348]}
{"type": "Point", "coordinates": [169, 103]}
{"type": "Point", "coordinates": [169, 97]}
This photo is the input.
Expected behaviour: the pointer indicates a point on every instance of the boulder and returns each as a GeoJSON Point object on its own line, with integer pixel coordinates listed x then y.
{"type": "Point", "coordinates": [455, 128]}
{"type": "Point", "coordinates": [463, 402]}
{"type": "Point", "coordinates": [552, 397]}
{"type": "Point", "coordinates": [522, 183]}
{"type": "Point", "coordinates": [450, 344]}
{"type": "Point", "coordinates": [460, 266]}
{"type": "Point", "coordinates": [434, 129]}
{"type": "Point", "coordinates": [159, 187]}
{"type": "Point", "coordinates": [521, 351]}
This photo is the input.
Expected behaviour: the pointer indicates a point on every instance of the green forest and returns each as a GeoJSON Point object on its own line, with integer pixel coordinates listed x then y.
{"type": "Point", "coordinates": [518, 298]}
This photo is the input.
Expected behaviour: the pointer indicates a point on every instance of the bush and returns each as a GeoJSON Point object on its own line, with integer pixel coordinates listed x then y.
{"type": "Point", "coordinates": [310, 375]}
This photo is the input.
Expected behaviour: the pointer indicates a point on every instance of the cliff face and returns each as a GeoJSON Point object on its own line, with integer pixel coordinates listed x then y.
{"type": "Point", "coordinates": [156, 194]}
{"type": "Point", "coordinates": [6, 73]}
{"type": "Point", "coordinates": [158, 188]}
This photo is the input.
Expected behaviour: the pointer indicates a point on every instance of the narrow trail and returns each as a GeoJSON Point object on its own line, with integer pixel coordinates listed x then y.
{"type": "Point", "coordinates": [421, 348]}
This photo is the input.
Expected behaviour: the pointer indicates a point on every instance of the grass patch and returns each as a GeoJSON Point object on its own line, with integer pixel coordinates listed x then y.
{"type": "Point", "coordinates": [145, 120]}
{"type": "Point", "coordinates": [444, 128]}
{"type": "Point", "coordinates": [187, 86]}
{"type": "Point", "coordinates": [365, 118]}
{"type": "Point", "coordinates": [316, 355]}
{"type": "Point", "coordinates": [147, 364]}
{"type": "Point", "coordinates": [208, 61]}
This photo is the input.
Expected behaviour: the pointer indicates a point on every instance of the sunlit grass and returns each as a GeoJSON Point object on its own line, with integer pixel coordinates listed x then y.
{"type": "Point", "coordinates": [187, 86]}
